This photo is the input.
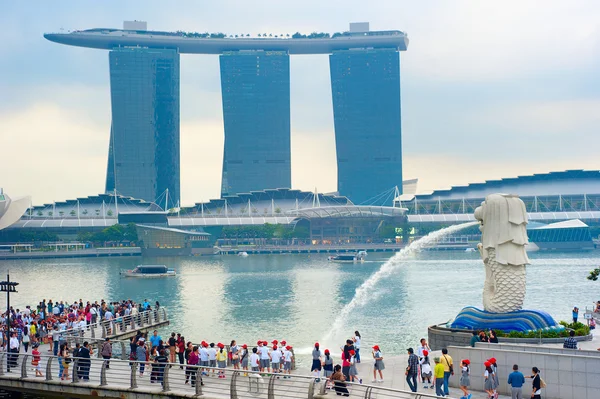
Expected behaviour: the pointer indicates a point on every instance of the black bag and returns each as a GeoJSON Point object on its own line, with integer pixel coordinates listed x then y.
{"type": "Point", "coordinates": [68, 360]}
{"type": "Point", "coordinates": [449, 365]}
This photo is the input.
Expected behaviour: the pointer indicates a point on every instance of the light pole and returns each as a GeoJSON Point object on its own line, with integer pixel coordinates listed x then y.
{"type": "Point", "coordinates": [8, 287]}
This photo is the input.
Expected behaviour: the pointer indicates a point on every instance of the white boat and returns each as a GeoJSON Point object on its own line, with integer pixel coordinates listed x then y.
{"type": "Point", "coordinates": [243, 254]}
{"type": "Point", "coordinates": [349, 258]}
{"type": "Point", "coordinates": [470, 250]}
{"type": "Point", "coordinates": [149, 271]}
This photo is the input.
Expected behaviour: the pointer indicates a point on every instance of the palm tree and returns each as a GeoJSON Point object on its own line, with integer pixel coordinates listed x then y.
{"type": "Point", "coordinates": [259, 35]}
{"type": "Point", "coordinates": [61, 213]}
{"type": "Point", "coordinates": [72, 213]}
{"type": "Point", "coordinates": [85, 212]}
{"type": "Point", "coordinates": [110, 212]}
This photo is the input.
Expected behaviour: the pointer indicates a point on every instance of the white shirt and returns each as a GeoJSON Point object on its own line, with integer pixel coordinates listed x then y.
{"type": "Point", "coordinates": [420, 350]}
{"type": "Point", "coordinates": [108, 315]}
{"type": "Point", "coordinates": [264, 352]}
{"type": "Point", "coordinates": [357, 342]}
{"type": "Point", "coordinates": [203, 355]}
{"type": "Point", "coordinates": [288, 356]}
{"type": "Point", "coordinates": [254, 359]}
{"type": "Point", "coordinates": [212, 354]}
{"type": "Point", "coordinates": [276, 356]}
{"type": "Point", "coordinates": [14, 343]}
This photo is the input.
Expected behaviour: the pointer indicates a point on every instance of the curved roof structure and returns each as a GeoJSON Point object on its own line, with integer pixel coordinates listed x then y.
{"type": "Point", "coordinates": [11, 210]}
{"type": "Point", "coordinates": [108, 38]}
{"type": "Point", "coordinates": [348, 211]}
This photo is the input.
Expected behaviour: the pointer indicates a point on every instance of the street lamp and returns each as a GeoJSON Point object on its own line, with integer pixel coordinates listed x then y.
{"type": "Point", "coordinates": [8, 287]}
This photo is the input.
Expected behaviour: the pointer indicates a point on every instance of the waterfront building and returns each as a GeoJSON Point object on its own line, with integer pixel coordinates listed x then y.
{"type": "Point", "coordinates": [143, 159]}
{"type": "Point", "coordinates": [255, 87]}
{"type": "Point", "coordinates": [11, 209]}
{"type": "Point", "coordinates": [365, 85]}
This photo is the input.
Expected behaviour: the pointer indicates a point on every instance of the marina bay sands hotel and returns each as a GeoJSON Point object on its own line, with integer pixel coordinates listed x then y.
{"type": "Point", "coordinates": [144, 153]}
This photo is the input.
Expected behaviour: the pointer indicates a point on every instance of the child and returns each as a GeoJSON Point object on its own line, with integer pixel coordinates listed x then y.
{"type": "Point", "coordinates": [426, 371]}
{"type": "Point", "coordinates": [244, 359]}
{"type": "Point", "coordinates": [35, 361]}
{"type": "Point", "coordinates": [221, 357]}
{"type": "Point", "coordinates": [255, 360]}
{"type": "Point", "coordinates": [212, 358]}
{"type": "Point", "coordinates": [328, 366]}
{"type": "Point", "coordinates": [265, 362]}
{"type": "Point", "coordinates": [492, 360]}
{"type": "Point", "coordinates": [204, 358]}
{"type": "Point", "coordinates": [316, 363]}
{"type": "Point", "coordinates": [465, 381]}
{"type": "Point", "coordinates": [438, 377]}
{"type": "Point", "coordinates": [378, 365]}
{"type": "Point", "coordinates": [488, 385]}
{"type": "Point", "coordinates": [288, 356]}
{"type": "Point", "coordinates": [353, 372]}
{"type": "Point", "coordinates": [275, 359]}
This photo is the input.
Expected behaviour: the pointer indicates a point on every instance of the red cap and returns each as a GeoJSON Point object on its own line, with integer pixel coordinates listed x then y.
{"type": "Point", "coordinates": [327, 351]}
{"type": "Point", "coordinates": [376, 347]}
{"type": "Point", "coordinates": [275, 342]}
{"type": "Point", "coordinates": [245, 346]}
{"type": "Point", "coordinates": [492, 360]}
{"type": "Point", "coordinates": [466, 361]}
{"type": "Point", "coordinates": [259, 343]}
{"type": "Point", "coordinates": [290, 347]}
{"type": "Point", "coordinates": [425, 353]}
{"type": "Point", "coordinates": [351, 351]}
{"type": "Point", "coordinates": [220, 345]}
{"type": "Point", "coordinates": [283, 342]}
{"type": "Point", "coordinates": [205, 344]}
{"type": "Point", "coordinates": [487, 364]}
{"type": "Point", "coordinates": [274, 347]}
{"type": "Point", "coordinates": [265, 343]}
{"type": "Point", "coordinates": [316, 344]}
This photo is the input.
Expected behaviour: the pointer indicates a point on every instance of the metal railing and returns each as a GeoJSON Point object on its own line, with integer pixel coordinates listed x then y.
{"type": "Point", "coordinates": [117, 326]}
{"type": "Point", "coordinates": [174, 379]}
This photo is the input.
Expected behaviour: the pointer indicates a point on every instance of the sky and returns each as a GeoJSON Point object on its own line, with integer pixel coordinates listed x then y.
{"type": "Point", "coordinates": [489, 90]}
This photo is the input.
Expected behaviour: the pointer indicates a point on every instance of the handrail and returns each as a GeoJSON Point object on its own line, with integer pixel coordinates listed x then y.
{"type": "Point", "coordinates": [170, 380]}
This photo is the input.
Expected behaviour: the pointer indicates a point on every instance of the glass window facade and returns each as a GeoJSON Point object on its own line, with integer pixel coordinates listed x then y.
{"type": "Point", "coordinates": [255, 89]}
{"type": "Point", "coordinates": [365, 86]}
{"type": "Point", "coordinates": [143, 158]}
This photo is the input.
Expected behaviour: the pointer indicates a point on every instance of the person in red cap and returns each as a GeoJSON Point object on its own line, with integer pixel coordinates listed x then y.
{"type": "Point", "coordinates": [316, 362]}
{"type": "Point", "coordinates": [221, 359]}
{"type": "Point", "coordinates": [379, 366]}
{"type": "Point", "coordinates": [275, 359]}
{"type": "Point", "coordinates": [244, 359]}
{"type": "Point", "coordinates": [265, 359]}
{"type": "Point", "coordinates": [465, 380]}
{"type": "Point", "coordinates": [426, 370]}
{"type": "Point", "coordinates": [288, 356]}
{"type": "Point", "coordinates": [204, 358]}
{"type": "Point", "coordinates": [353, 372]}
{"type": "Point", "coordinates": [488, 374]}
{"type": "Point", "coordinates": [492, 360]}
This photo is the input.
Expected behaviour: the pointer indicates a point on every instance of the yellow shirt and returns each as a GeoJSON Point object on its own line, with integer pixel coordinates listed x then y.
{"type": "Point", "coordinates": [446, 361]}
{"type": "Point", "coordinates": [438, 371]}
{"type": "Point", "coordinates": [221, 356]}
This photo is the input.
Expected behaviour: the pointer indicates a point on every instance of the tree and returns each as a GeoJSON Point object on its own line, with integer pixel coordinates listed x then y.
{"type": "Point", "coordinates": [97, 212]}
{"type": "Point", "coordinates": [278, 210]}
{"type": "Point", "coordinates": [61, 213]}
{"type": "Point", "coordinates": [130, 232]}
{"type": "Point", "coordinates": [50, 213]}
{"type": "Point", "coordinates": [85, 212]}
{"type": "Point", "coordinates": [259, 35]}
{"type": "Point", "coordinates": [247, 34]}
{"type": "Point", "coordinates": [109, 212]}
{"type": "Point", "coordinates": [594, 274]}
{"type": "Point", "coordinates": [72, 213]}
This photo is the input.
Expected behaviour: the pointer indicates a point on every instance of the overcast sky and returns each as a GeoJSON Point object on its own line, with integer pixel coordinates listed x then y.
{"type": "Point", "coordinates": [489, 90]}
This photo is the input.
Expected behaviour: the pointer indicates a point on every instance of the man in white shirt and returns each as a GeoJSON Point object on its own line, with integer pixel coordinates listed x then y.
{"type": "Point", "coordinates": [14, 350]}
{"type": "Point", "coordinates": [422, 347]}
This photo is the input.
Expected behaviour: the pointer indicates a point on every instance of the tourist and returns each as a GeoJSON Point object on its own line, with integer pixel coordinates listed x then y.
{"type": "Point", "coordinates": [570, 341]}
{"type": "Point", "coordinates": [35, 360]}
{"type": "Point", "coordinates": [357, 338]}
{"type": "Point", "coordinates": [438, 377]}
{"type": "Point", "coordinates": [488, 375]}
{"type": "Point", "coordinates": [84, 361]}
{"type": "Point", "coordinates": [288, 357]}
{"type": "Point", "coordinates": [378, 366]}
{"type": "Point", "coordinates": [338, 379]}
{"type": "Point", "coordinates": [65, 361]}
{"type": "Point", "coordinates": [212, 358]}
{"type": "Point", "coordinates": [141, 355]}
{"type": "Point", "coordinates": [316, 362]}
{"type": "Point", "coordinates": [234, 354]}
{"type": "Point", "coordinates": [328, 364]}
{"type": "Point", "coordinates": [180, 350]}
{"type": "Point", "coordinates": [204, 357]}
{"type": "Point", "coordinates": [483, 337]}
{"type": "Point", "coordinates": [446, 361]}
{"type": "Point", "coordinates": [426, 371]}
{"type": "Point", "coordinates": [493, 337]}
{"type": "Point", "coordinates": [536, 384]}
{"type": "Point", "coordinates": [25, 339]}
{"type": "Point", "coordinates": [516, 381]}
{"type": "Point", "coordinates": [221, 359]}
{"type": "Point", "coordinates": [106, 351]}
{"type": "Point", "coordinates": [172, 347]}
{"type": "Point", "coordinates": [159, 365]}
{"type": "Point", "coordinates": [244, 357]}
{"type": "Point", "coordinates": [353, 372]}
{"type": "Point", "coordinates": [276, 360]}
{"type": "Point", "coordinates": [346, 364]}
{"type": "Point", "coordinates": [55, 338]}
{"type": "Point", "coordinates": [465, 380]}
{"type": "Point", "coordinates": [14, 350]}
{"type": "Point", "coordinates": [412, 370]}
{"type": "Point", "coordinates": [255, 360]}
{"type": "Point", "coordinates": [592, 324]}
{"type": "Point", "coordinates": [192, 356]}
{"type": "Point", "coordinates": [575, 314]}
{"type": "Point", "coordinates": [265, 363]}
{"type": "Point", "coordinates": [423, 346]}
{"type": "Point", "coordinates": [492, 360]}
{"type": "Point", "coordinates": [155, 340]}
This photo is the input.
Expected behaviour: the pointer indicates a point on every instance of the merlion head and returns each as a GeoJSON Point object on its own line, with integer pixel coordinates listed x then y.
{"type": "Point", "coordinates": [503, 219]}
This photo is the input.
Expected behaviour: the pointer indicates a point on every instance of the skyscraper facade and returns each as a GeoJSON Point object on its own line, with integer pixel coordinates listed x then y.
{"type": "Point", "coordinates": [143, 159]}
{"type": "Point", "coordinates": [365, 87]}
{"type": "Point", "coordinates": [255, 89]}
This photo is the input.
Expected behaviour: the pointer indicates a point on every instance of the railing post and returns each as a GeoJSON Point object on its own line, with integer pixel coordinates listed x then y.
{"type": "Point", "coordinates": [103, 329]}
{"type": "Point", "coordinates": [75, 368]}
{"type": "Point", "coordinates": [123, 351]}
{"type": "Point", "coordinates": [103, 374]}
{"type": "Point", "coordinates": [2, 354]}
{"type": "Point", "coordinates": [24, 366]}
{"type": "Point", "coordinates": [164, 314]}
{"type": "Point", "coordinates": [49, 368]}
{"type": "Point", "coordinates": [165, 378]}
{"type": "Point", "coordinates": [142, 315]}
{"type": "Point", "coordinates": [271, 387]}
{"type": "Point", "coordinates": [133, 378]}
{"type": "Point", "coordinates": [368, 392]}
{"type": "Point", "coordinates": [233, 385]}
{"type": "Point", "coordinates": [198, 378]}
{"type": "Point", "coordinates": [322, 387]}
{"type": "Point", "coordinates": [92, 331]}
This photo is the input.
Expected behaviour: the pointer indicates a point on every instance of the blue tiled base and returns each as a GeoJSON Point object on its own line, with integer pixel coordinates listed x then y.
{"type": "Point", "coordinates": [522, 320]}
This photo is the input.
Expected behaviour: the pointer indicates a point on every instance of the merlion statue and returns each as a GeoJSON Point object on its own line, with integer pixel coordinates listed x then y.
{"type": "Point", "coordinates": [503, 221]}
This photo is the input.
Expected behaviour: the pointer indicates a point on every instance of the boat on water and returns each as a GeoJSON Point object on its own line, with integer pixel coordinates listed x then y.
{"type": "Point", "coordinates": [149, 271]}
{"type": "Point", "coordinates": [470, 249]}
{"type": "Point", "coordinates": [349, 258]}
{"type": "Point", "coordinates": [243, 254]}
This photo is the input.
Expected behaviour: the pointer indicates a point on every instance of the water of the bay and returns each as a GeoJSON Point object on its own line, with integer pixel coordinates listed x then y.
{"type": "Point", "coordinates": [297, 297]}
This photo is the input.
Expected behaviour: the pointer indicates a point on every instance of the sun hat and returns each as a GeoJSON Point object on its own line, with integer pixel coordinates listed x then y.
{"type": "Point", "coordinates": [425, 353]}
{"type": "Point", "coordinates": [436, 359]}
{"type": "Point", "coordinates": [487, 364]}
